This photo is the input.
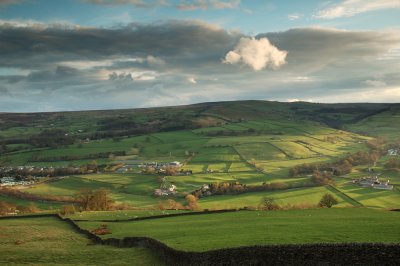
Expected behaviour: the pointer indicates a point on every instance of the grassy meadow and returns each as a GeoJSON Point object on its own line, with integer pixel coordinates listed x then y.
{"type": "Point", "coordinates": [49, 241]}
{"type": "Point", "coordinates": [246, 228]}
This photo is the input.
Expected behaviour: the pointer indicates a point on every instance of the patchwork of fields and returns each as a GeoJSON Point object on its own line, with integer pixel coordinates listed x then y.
{"type": "Point", "coordinates": [246, 157]}
{"type": "Point", "coordinates": [247, 144]}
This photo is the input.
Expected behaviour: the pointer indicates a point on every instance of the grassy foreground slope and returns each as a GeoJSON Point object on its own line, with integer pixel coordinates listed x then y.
{"type": "Point", "coordinates": [247, 228]}
{"type": "Point", "coordinates": [48, 241]}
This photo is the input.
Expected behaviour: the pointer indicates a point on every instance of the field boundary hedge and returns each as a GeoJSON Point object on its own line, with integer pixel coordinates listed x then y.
{"type": "Point", "coordinates": [288, 254]}
{"type": "Point", "coordinates": [160, 216]}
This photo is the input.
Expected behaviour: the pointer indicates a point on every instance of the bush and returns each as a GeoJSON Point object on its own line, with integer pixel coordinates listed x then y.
{"type": "Point", "coordinates": [327, 201]}
{"type": "Point", "coordinates": [67, 209]}
{"type": "Point", "coordinates": [191, 202]}
{"type": "Point", "coordinates": [269, 204]}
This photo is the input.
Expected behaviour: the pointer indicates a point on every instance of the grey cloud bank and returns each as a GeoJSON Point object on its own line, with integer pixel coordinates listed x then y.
{"type": "Point", "coordinates": [46, 68]}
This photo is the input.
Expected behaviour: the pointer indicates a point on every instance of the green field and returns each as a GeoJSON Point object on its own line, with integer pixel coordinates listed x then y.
{"type": "Point", "coordinates": [370, 197]}
{"type": "Point", "coordinates": [39, 204]}
{"type": "Point", "coordinates": [384, 124]}
{"type": "Point", "coordinates": [302, 196]}
{"type": "Point", "coordinates": [49, 241]}
{"type": "Point", "coordinates": [135, 189]}
{"type": "Point", "coordinates": [244, 228]}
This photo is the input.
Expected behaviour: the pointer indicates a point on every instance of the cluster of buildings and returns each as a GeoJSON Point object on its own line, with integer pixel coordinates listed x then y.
{"type": "Point", "coordinates": [11, 181]}
{"type": "Point", "coordinates": [158, 166]}
{"type": "Point", "coordinates": [374, 182]}
{"type": "Point", "coordinates": [169, 168]}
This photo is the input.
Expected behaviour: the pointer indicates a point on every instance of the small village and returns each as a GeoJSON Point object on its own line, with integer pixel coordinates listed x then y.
{"type": "Point", "coordinates": [12, 181]}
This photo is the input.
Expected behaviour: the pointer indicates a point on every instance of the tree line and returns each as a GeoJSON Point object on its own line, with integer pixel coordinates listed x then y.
{"type": "Point", "coordinates": [77, 157]}
{"type": "Point", "coordinates": [227, 188]}
{"type": "Point", "coordinates": [22, 173]}
{"type": "Point", "coordinates": [338, 168]}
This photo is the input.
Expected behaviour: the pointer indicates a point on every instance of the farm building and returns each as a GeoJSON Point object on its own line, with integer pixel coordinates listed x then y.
{"type": "Point", "coordinates": [374, 182]}
{"type": "Point", "coordinates": [171, 190]}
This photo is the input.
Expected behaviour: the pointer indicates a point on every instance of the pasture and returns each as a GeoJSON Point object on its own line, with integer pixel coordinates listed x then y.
{"type": "Point", "coordinates": [49, 241]}
{"type": "Point", "coordinates": [307, 197]}
{"type": "Point", "coordinates": [246, 228]}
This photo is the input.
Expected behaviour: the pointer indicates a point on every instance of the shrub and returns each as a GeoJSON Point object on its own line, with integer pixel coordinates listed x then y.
{"type": "Point", "coordinates": [191, 202]}
{"type": "Point", "coordinates": [269, 204]}
{"type": "Point", "coordinates": [327, 201]}
{"type": "Point", "coordinates": [67, 209]}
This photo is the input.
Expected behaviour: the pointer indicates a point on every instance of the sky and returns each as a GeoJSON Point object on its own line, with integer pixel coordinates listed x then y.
{"type": "Point", "coordinates": [110, 54]}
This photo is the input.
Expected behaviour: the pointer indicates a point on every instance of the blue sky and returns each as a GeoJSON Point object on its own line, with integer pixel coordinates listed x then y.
{"type": "Point", "coordinates": [250, 16]}
{"type": "Point", "coordinates": [96, 54]}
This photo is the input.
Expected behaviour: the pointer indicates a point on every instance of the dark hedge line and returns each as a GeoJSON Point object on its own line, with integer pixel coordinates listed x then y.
{"type": "Point", "coordinates": [290, 254]}
{"type": "Point", "coordinates": [161, 216]}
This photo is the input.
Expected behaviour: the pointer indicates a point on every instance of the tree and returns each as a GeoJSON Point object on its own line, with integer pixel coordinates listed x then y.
{"type": "Point", "coordinates": [95, 200]}
{"type": "Point", "coordinates": [268, 204]}
{"type": "Point", "coordinates": [67, 209]}
{"type": "Point", "coordinates": [191, 202]}
{"type": "Point", "coordinates": [327, 201]}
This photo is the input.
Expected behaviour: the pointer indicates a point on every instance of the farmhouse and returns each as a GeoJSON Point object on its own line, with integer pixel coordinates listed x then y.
{"type": "Point", "coordinates": [170, 190]}
{"type": "Point", "coordinates": [393, 152]}
{"type": "Point", "coordinates": [383, 185]}
{"type": "Point", "coordinates": [374, 182]}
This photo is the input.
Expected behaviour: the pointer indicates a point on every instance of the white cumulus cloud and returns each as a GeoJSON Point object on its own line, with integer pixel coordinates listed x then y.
{"type": "Point", "coordinates": [350, 8]}
{"type": "Point", "coordinates": [192, 80]}
{"type": "Point", "coordinates": [256, 53]}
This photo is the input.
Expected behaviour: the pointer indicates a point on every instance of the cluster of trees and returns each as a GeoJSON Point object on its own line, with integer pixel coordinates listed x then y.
{"type": "Point", "coordinates": [28, 172]}
{"type": "Point", "coordinates": [7, 208]}
{"type": "Point", "coordinates": [340, 167]}
{"type": "Point", "coordinates": [322, 178]}
{"type": "Point", "coordinates": [238, 188]}
{"type": "Point", "coordinates": [269, 204]}
{"type": "Point", "coordinates": [77, 157]}
{"type": "Point", "coordinates": [95, 200]}
{"type": "Point", "coordinates": [170, 204]}
{"type": "Point", "coordinates": [51, 138]}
